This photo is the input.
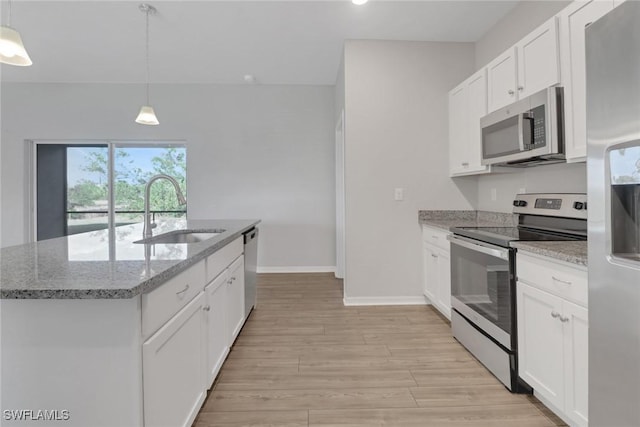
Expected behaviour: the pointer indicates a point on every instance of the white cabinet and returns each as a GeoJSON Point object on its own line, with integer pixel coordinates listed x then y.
{"type": "Point", "coordinates": [502, 80]}
{"type": "Point", "coordinates": [467, 104]}
{"type": "Point", "coordinates": [530, 66]}
{"type": "Point", "coordinates": [172, 361]}
{"type": "Point", "coordinates": [217, 330]}
{"type": "Point", "coordinates": [573, 21]}
{"type": "Point", "coordinates": [540, 342]}
{"type": "Point", "coordinates": [437, 269]}
{"type": "Point", "coordinates": [235, 292]}
{"type": "Point", "coordinates": [553, 334]}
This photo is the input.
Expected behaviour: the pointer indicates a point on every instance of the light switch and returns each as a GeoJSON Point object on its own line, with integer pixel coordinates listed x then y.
{"type": "Point", "coordinates": [399, 194]}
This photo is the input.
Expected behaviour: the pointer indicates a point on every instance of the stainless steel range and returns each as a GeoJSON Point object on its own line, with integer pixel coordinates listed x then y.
{"type": "Point", "coordinates": [483, 277]}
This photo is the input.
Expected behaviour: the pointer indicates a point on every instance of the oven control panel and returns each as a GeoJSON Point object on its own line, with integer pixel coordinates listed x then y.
{"type": "Point", "coordinates": [548, 204]}
{"type": "Point", "coordinates": [568, 205]}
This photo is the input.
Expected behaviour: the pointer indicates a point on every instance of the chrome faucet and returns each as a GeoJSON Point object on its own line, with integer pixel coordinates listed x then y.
{"type": "Point", "coordinates": [148, 225]}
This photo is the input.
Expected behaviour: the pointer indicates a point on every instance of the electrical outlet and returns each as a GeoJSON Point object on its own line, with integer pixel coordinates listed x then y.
{"type": "Point", "coordinates": [399, 194]}
{"type": "Point", "coordinates": [494, 194]}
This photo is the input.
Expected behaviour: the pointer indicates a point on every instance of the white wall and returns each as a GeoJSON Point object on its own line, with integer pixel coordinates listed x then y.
{"type": "Point", "coordinates": [253, 152]}
{"type": "Point", "coordinates": [551, 178]}
{"type": "Point", "coordinates": [396, 136]}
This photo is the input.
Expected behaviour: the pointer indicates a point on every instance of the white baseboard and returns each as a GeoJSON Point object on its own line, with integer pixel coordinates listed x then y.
{"type": "Point", "coordinates": [296, 269]}
{"type": "Point", "coordinates": [419, 300]}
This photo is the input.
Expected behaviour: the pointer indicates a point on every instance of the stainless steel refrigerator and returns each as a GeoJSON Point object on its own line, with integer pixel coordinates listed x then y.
{"type": "Point", "coordinates": [613, 176]}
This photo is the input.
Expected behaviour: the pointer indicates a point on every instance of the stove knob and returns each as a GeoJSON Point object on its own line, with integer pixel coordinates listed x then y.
{"type": "Point", "coordinates": [516, 203]}
{"type": "Point", "coordinates": [523, 203]}
{"type": "Point", "coordinates": [579, 206]}
{"type": "Point", "coordinates": [584, 206]}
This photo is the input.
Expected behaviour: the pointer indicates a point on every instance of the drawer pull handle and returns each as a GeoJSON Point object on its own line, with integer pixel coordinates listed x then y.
{"type": "Point", "coordinates": [564, 319]}
{"type": "Point", "coordinates": [206, 308]}
{"type": "Point", "coordinates": [435, 237]}
{"type": "Point", "coordinates": [565, 282]}
{"type": "Point", "coordinates": [181, 293]}
{"type": "Point", "coordinates": [510, 92]}
{"type": "Point", "coordinates": [465, 164]}
{"type": "Point", "coordinates": [556, 315]}
{"type": "Point", "coordinates": [434, 256]}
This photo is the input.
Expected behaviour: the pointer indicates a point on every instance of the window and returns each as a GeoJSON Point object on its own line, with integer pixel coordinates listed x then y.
{"type": "Point", "coordinates": [85, 187]}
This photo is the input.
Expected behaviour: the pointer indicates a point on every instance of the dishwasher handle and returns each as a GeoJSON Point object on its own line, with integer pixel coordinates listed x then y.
{"type": "Point", "coordinates": [250, 235]}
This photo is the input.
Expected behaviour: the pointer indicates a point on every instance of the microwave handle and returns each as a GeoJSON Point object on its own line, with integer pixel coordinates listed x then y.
{"type": "Point", "coordinates": [524, 127]}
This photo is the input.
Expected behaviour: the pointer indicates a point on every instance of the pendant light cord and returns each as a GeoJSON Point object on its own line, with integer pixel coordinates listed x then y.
{"type": "Point", "coordinates": [9, 15]}
{"type": "Point", "coordinates": [147, 51]}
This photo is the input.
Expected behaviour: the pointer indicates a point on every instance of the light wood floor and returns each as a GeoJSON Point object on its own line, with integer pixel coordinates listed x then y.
{"type": "Point", "coordinates": [303, 359]}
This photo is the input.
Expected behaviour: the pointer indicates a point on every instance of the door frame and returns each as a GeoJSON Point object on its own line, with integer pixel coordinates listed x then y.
{"type": "Point", "coordinates": [340, 272]}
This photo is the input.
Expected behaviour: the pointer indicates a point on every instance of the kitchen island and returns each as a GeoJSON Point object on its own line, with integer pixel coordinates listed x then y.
{"type": "Point", "coordinates": [99, 330]}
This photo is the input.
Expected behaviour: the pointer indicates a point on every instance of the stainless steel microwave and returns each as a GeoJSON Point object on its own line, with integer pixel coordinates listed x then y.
{"type": "Point", "coordinates": [527, 132]}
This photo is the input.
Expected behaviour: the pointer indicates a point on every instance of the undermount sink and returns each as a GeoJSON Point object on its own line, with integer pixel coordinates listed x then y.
{"type": "Point", "coordinates": [181, 236]}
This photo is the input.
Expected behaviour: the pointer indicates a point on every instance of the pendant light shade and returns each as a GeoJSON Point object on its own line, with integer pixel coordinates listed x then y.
{"type": "Point", "coordinates": [12, 49]}
{"type": "Point", "coordinates": [147, 116]}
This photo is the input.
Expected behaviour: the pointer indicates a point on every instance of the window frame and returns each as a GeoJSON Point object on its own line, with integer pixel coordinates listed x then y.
{"type": "Point", "coordinates": [112, 144]}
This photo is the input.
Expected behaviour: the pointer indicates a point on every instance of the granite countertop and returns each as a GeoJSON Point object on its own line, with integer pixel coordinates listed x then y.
{"type": "Point", "coordinates": [107, 264]}
{"type": "Point", "coordinates": [574, 252]}
{"type": "Point", "coordinates": [447, 219]}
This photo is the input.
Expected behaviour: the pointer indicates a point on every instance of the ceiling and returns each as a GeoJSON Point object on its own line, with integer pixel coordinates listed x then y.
{"type": "Point", "coordinates": [279, 42]}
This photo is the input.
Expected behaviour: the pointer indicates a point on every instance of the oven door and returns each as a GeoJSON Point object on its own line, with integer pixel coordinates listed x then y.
{"type": "Point", "coordinates": [482, 287]}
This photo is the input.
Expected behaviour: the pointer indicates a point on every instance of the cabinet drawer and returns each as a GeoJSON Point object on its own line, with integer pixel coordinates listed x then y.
{"type": "Point", "coordinates": [162, 303]}
{"type": "Point", "coordinates": [559, 279]}
{"type": "Point", "coordinates": [218, 261]}
{"type": "Point", "coordinates": [436, 237]}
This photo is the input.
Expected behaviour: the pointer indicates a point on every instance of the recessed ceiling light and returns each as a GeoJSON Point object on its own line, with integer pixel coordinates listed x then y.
{"type": "Point", "coordinates": [359, 2]}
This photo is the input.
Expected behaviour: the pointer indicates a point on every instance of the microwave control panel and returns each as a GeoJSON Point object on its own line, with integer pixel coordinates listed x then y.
{"type": "Point", "coordinates": [538, 128]}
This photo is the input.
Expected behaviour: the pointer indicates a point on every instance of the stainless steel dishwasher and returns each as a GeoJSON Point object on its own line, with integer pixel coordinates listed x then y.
{"type": "Point", "coordinates": [250, 266]}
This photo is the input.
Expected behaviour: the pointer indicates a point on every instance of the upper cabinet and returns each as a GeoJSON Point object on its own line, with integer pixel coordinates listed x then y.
{"type": "Point", "coordinates": [467, 103]}
{"type": "Point", "coordinates": [528, 67]}
{"type": "Point", "coordinates": [502, 80]}
{"type": "Point", "coordinates": [573, 21]}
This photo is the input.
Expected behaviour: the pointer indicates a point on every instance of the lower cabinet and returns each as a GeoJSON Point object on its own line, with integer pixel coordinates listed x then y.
{"type": "Point", "coordinates": [553, 335]}
{"type": "Point", "coordinates": [172, 361]}
{"type": "Point", "coordinates": [437, 269]}
{"type": "Point", "coordinates": [217, 330]}
{"type": "Point", "coordinates": [182, 358]}
{"type": "Point", "coordinates": [235, 313]}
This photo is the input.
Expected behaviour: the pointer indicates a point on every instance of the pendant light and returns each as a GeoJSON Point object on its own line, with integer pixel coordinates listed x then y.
{"type": "Point", "coordinates": [12, 49]}
{"type": "Point", "coordinates": [147, 116]}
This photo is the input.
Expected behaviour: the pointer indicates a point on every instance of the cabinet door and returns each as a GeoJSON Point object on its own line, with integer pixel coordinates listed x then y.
{"type": "Point", "coordinates": [476, 109]}
{"type": "Point", "coordinates": [538, 60]}
{"type": "Point", "coordinates": [540, 342]}
{"type": "Point", "coordinates": [576, 362]}
{"type": "Point", "coordinates": [172, 364]}
{"type": "Point", "coordinates": [444, 283]}
{"type": "Point", "coordinates": [217, 330]}
{"type": "Point", "coordinates": [501, 77]}
{"type": "Point", "coordinates": [430, 280]}
{"type": "Point", "coordinates": [458, 127]}
{"type": "Point", "coordinates": [235, 292]}
{"type": "Point", "coordinates": [573, 21]}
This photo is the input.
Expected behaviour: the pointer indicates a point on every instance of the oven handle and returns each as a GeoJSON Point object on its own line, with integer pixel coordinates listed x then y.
{"type": "Point", "coordinates": [485, 248]}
